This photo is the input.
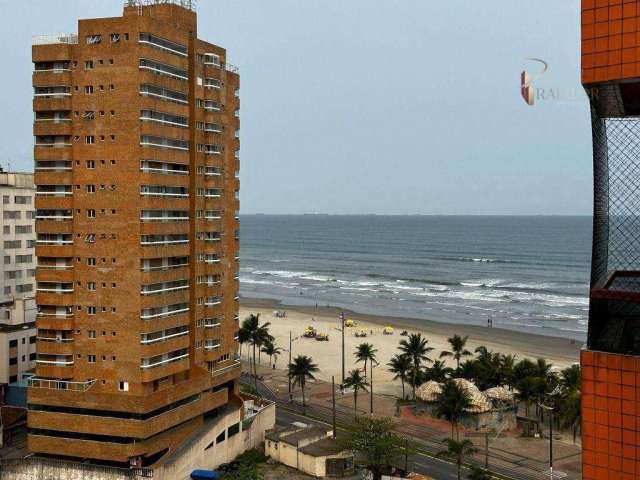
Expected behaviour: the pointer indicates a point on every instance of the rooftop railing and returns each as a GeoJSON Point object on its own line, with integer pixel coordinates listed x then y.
{"type": "Point", "coordinates": [188, 4]}
{"type": "Point", "coordinates": [70, 38]}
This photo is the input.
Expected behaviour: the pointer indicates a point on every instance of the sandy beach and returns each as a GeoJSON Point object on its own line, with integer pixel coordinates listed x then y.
{"type": "Point", "coordinates": [560, 351]}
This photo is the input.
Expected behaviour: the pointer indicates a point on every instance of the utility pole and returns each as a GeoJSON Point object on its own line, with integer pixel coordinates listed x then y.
{"type": "Point", "coordinates": [333, 400]}
{"type": "Point", "coordinates": [288, 376]}
{"type": "Point", "coordinates": [371, 388]}
{"type": "Point", "coordinates": [342, 321]}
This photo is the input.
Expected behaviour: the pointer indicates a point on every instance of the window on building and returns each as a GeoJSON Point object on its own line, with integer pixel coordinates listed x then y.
{"type": "Point", "coordinates": [123, 386]}
{"type": "Point", "coordinates": [91, 189]}
{"type": "Point", "coordinates": [90, 139]}
{"type": "Point", "coordinates": [90, 163]}
{"type": "Point", "coordinates": [92, 334]}
{"type": "Point", "coordinates": [94, 39]}
{"type": "Point", "coordinates": [88, 89]}
{"type": "Point", "coordinates": [91, 358]}
{"type": "Point", "coordinates": [91, 213]}
{"type": "Point", "coordinates": [91, 310]}
{"type": "Point", "coordinates": [88, 64]}
{"type": "Point", "coordinates": [91, 261]}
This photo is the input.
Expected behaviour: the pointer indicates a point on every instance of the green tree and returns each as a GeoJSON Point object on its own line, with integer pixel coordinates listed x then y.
{"type": "Point", "coordinates": [456, 451]}
{"type": "Point", "coordinates": [570, 378]}
{"type": "Point", "coordinates": [452, 402]}
{"type": "Point", "coordinates": [438, 372]}
{"type": "Point", "coordinates": [357, 382]}
{"type": "Point", "coordinates": [507, 363]}
{"type": "Point", "coordinates": [458, 350]}
{"type": "Point", "coordinates": [243, 337]}
{"type": "Point", "coordinates": [374, 440]}
{"type": "Point", "coordinates": [270, 349]}
{"type": "Point", "coordinates": [365, 352]}
{"type": "Point", "coordinates": [400, 366]}
{"type": "Point", "coordinates": [300, 370]}
{"type": "Point", "coordinates": [570, 413]}
{"type": "Point", "coordinates": [417, 349]}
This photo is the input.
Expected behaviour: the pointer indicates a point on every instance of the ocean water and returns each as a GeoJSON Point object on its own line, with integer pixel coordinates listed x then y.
{"type": "Point", "coordinates": [525, 273]}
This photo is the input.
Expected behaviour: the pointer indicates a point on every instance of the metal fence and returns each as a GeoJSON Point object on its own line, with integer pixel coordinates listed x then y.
{"type": "Point", "coordinates": [614, 313]}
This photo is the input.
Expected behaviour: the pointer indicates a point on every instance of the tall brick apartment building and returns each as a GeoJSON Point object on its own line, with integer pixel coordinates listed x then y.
{"type": "Point", "coordinates": [136, 145]}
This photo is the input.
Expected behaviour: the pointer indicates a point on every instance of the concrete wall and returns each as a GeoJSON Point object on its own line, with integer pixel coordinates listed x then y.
{"type": "Point", "coordinates": [196, 455]}
{"type": "Point", "coordinates": [192, 457]}
{"type": "Point", "coordinates": [32, 469]}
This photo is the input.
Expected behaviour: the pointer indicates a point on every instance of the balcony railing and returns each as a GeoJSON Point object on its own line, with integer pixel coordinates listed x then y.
{"type": "Point", "coordinates": [221, 371]}
{"type": "Point", "coordinates": [164, 359]}
{"type": "Point", "coordinates": [161, 312]}
{"type": "Point", "coordinates": [35, 382]}
{"type": "Point", "coordinates": [158, 288]}
{"type": "Point", "coordinates": [61, 363]}
{"type": "Point", "coordinates": [162, 336]}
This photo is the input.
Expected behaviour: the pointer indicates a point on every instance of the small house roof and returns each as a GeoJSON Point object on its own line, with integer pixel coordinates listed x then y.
{"type": "Point", "coordinates": [429, 391]}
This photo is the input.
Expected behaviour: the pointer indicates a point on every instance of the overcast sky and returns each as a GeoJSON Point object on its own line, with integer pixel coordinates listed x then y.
{"type": "Point", "coordinates": [371, 106]}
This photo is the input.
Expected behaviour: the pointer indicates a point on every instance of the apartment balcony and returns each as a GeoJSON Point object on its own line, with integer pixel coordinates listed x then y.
{"type": "Point", "coordinates": [52, 366]}
{"type": "Point", "coordinates": [48, 103]}
{"type": "Point", "coordinates": [52, 76]}
{"type": "Point", "coordinates": [169, 344]}
{"type": "Point", "coordinates": [155, 368]}
{"type": "Point", "coordinates": [50, 215]}
{"type": "Point", "coordinates": [53, 172]}
{"type": "Point", "coordinates": [173, 310]}
{"type": "Point", "coordinates": [55, 322]}
{"type": "Point", "coordinates": [51, 275]}
{"type": "Point", "coordinates": [164, 168]}
{"type": "Point", "coordinates": [54, 190]}
{"type": "Point", "coordinates": [164, 216]}
{"type": "Point", "coordinates": [226, 373]}
{"type": "Point", "coordinates": [213, 301]}
{"type": "Point", "coordinates": [43, 127]}
{"type": "Point", "coordinates": [165, 287]}
{"type": "Point", "coordinates": [47, 346]}
{"type": "Point", "coordinates": [163, 264]}
{"type": "Point", "coordinates": [212, 259]}
{"type": "Point", "coordinates": [52, 141]}
{"type": "Point", "coordinates": [57, 264]}
{"type": "Point", "coordinates": [52, 166]}
{"type": "Point", "coordinates": [50, 201]}
{"type": "Point", "coordinates": [56, 297]}
{"type": "Point", "coordinates": [48, 384]}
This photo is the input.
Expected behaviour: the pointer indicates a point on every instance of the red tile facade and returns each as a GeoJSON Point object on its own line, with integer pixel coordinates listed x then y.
{"type": "Point", "coordinates": [610, 426]}
{"type": "Point", "coordinates": [610, 40]}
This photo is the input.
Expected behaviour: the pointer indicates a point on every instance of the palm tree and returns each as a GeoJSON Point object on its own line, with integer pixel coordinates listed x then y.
{"type": "Point", "coordinates": [457, 450]}
{"type": "Point", "coordinates": [300, 370]}
{"type": "Point", "coordinates": [507, 364]}
{"type": "Point", "coordinates": [570, 412]}
{"type": "Point", "coordinates": [458, 349]}
{"type": "Point", "coordinates": [243, 337]}
{"type": "Point", "coordinates": [365, 352]}
{"type": "Point", "coordinates": [270, 349]}
{"type": "Point", "coordinates": [357, 382]}
{"type": "Point", "coordinates": [570, 378]}
{"type": "Point", "coordinates": [400, 366]}
{"type": "Point", "coordinates": [416, 348]}
{"type": "Point", "coordinates": [452, 402]}
{"type": "Point", "coordinates": [438, 372]}
{"type": "Point", "coordinates": [257, 335]}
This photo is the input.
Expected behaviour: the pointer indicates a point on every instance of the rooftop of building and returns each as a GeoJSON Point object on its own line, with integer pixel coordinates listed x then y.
{"type": "Point", "coordinates": [7, 328]}
{"type": "Point", "coordinates": [293, 434]}
{"type": "Point", "coordinates": [16, 179]}
{"type": "Point", "coordinates": [325, 447]}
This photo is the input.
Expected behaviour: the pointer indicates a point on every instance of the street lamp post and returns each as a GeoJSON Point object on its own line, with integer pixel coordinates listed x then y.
{"type": "Point", "coordinates": [549, 408]}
